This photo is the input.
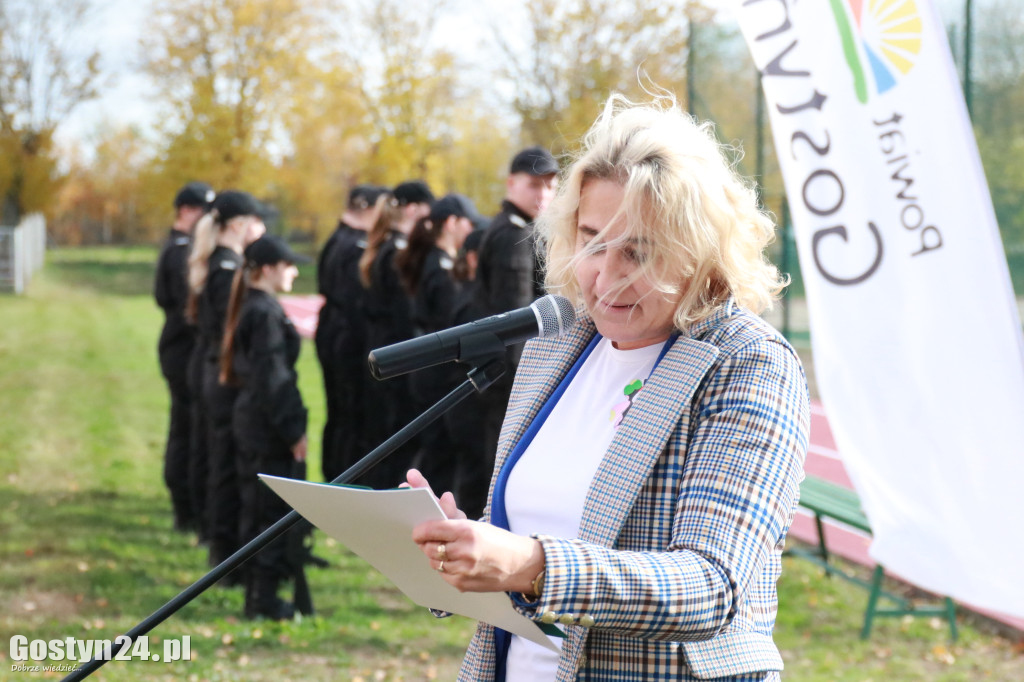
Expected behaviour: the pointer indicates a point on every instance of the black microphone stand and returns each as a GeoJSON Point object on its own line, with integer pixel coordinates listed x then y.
{"type": "Point", "coordinates": [477, 380]}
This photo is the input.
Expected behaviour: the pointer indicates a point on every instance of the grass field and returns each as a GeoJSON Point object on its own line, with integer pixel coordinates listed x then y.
{"type": "Point", "coordinates": [87, 549]}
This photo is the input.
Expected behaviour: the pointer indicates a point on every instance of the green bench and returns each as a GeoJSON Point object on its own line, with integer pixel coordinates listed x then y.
{"type": "Point", "coordinates": [828, 500]}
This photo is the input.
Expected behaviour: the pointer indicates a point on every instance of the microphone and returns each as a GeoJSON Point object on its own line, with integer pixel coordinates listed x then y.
{"type": "Point", "coordinates": [546, 317]}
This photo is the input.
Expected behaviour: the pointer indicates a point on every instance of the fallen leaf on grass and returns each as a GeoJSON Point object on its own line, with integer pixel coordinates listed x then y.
{"type": "Point", "coordinates": [943, 655]}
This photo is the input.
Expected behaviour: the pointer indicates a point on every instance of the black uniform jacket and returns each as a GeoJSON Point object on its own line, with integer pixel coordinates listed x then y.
{"type": "Point", "coordinates": [510, 274]}
{"type": "Point", "coordinates": [269, 416]}
{"type": "Point", "coordinates": [213, 300]}
{"type": "Point", "coordinates": [432, 307]}
{"type": "Point", "coordinates": [342, 324]}
{"type": "Point", "coordinates": [434, 300]}
{"type": "Point", "coordinates": [388, 310]}
{"type": "Point", "coordinates": [170, 289]}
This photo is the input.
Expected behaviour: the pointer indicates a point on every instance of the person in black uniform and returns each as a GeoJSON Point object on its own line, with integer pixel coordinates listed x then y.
{"type": "Point", "coordinates": [424, 269]}
{"type": "Point", "coordinates": [261, 347]}
{"type": "Point", "coordinates": [466, 424]}
{"type": "Point", "coordinates": [234, 221]}
{"type": "Point", "coordinates": [341, 332]}
{"type": "Point", "coordinates": [177, 340]}
{"type": "Point", "coordinates": [509, 274]}
{"type": "Point", "coordinates": [389, 320]}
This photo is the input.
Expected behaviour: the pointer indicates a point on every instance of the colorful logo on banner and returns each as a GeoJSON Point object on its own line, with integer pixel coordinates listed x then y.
{"type": "Point", "coordinates": [888, 35]}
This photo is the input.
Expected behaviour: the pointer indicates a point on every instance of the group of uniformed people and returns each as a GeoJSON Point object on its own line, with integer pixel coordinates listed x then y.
{"type": "Point", "coordinates": [400, 264]}
{"type": "Point", "coordinates": [228, 353]}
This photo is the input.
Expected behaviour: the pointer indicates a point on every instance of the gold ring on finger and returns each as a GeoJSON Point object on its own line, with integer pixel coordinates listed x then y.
{"type": "Point", "coordinates": [442, 552]}
{"type": "Point", "coordinates": [440, 567]}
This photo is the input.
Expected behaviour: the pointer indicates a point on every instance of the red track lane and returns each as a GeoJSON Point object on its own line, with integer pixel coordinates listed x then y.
{"type": "Point", "coordinates": [823, 460]}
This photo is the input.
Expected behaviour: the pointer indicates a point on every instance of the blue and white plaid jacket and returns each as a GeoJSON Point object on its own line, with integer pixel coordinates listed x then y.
{"type": "Point", "coordinates": [679, 549]}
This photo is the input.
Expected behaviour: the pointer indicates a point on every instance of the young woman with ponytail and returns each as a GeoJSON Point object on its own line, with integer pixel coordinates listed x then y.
{"type": "Point", "coordinates": [259, 352]}
{"type": "Point", "coordinates": [234, 221]}
{"type": "Point", "coordinates": [424, 269]}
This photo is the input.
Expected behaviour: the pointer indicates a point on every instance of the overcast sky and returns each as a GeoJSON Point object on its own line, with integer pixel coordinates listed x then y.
{"type": "Point", "coordinates": [117, 26]}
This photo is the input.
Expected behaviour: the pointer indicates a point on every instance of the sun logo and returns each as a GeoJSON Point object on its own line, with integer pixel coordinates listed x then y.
{"type": "Point", "coordinates": [886, 32]}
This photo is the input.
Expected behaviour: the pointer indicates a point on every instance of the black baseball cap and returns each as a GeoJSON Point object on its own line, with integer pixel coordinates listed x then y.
{"type": "Point", "coordinates": [270, 249]}
{"type": "Point", "coordinates": [413, 192]}
{"type": "Point", "coordinates": [468, 208]}
{"type": "Point", "coordinates": [362, 197]}
{"type": "Point", "coordinates": [448, 206]}
{"type": "Point", "coordinates": [534, 161]}
{"type": "Point", "coordinates": [194, 194]}
{"type": "Point", "coordinates": [232, 203]}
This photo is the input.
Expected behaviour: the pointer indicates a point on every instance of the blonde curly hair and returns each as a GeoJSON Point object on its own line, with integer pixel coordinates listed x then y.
{"type": "Point", "coordinates": [698, 221]}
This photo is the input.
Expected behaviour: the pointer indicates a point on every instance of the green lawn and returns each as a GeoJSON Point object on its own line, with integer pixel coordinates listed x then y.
{"type": "Point", "coordinates": [87, 549]}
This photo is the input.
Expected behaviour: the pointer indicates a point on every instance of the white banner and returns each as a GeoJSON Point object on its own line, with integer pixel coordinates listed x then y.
{"type": "Point", "coordinates": [917, 341]}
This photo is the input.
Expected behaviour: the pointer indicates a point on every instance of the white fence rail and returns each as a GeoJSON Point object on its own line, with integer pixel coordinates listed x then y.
{"type": "Point", "coordinates": [22, 251]}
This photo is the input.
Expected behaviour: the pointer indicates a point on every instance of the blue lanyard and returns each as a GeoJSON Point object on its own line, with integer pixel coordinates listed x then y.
{"type": "Point", "coordinates": [499, 515]}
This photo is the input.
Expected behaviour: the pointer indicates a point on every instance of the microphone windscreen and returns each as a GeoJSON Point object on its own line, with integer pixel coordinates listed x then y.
{"type": "Point", "coordinates": [556, 314]}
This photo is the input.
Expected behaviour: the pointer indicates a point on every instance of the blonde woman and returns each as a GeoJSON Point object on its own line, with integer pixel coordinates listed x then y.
{"type": "Point", "coordinates": [234, 221]}
{"type": "Point", "coordinates": [650, 460]}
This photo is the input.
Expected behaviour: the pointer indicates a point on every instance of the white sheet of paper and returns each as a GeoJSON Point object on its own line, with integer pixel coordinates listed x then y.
{"type": "Point", "coordinates": [377, 525]}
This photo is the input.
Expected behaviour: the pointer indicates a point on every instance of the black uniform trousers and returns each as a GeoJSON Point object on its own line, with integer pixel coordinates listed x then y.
{"type": "Point", "coordinates": [222, 495]}
{"type": "Point", "coordinates": [345, 378]}
{"type": "Point", "coordinates": [261, 507]}
{"type": "Point", "coordinates": [199, 454]}
{"type": "Point", "coordinates": [178, 453]}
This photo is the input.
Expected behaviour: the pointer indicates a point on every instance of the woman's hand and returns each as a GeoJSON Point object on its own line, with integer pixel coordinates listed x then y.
{"type": "Point", "coordinates": [414, 479]}
{"type": "Point", "coordinates": [479, 557]}
{"type": "Point", "coordinates": [299, 449]}
{"type": "Point", "coordinates": [476, 557]}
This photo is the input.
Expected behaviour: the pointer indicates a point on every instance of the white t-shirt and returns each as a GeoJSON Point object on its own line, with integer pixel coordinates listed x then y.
{"type": "Point", "coordinates": [547, 488]}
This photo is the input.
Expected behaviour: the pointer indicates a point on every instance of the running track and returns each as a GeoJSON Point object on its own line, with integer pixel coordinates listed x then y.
{"type": "Point", "coordinates": [823, 460]}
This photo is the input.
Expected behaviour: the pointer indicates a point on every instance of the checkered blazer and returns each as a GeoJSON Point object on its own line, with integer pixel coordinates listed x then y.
{"type": "Point", "coordinates": [681, 538]}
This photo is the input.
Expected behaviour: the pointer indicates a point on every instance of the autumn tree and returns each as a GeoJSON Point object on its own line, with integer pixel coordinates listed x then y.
{"type": "Point", "coordinates": [229, 73]}
{"type": "Point", "coordinates": [328, 130]}
{"type": "Point", "coordinates": [45, 73]}
{"type": "Point", "coordinates": [425, 120]}
{"type": "Point", "coordinates": [576, 52]}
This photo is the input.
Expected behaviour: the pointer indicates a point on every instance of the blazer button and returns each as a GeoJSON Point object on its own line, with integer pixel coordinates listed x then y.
{"type": "Point", "coordinates": [582, 661]}
{"type": "Point", "coordinates": [567, 619]}
{"type": "Point", "coordinates": [548, 617]}
{"type": "Point", "coordinates": [587, 621]}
